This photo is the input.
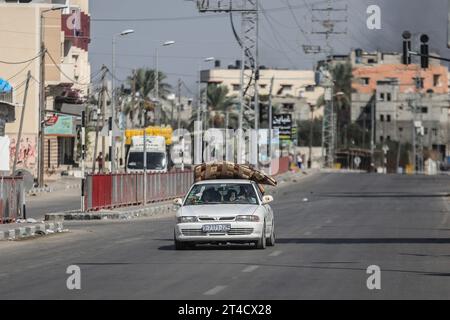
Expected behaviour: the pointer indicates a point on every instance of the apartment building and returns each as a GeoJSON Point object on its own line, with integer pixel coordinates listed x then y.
{"type": "Point", "coordinates": [67, 75]}
{"type": "Point", "coordinates": [293, 90]}
{"type": "Point", "coordinates": [404, 98]}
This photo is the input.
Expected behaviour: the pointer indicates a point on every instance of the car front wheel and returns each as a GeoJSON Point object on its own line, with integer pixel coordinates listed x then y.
{"type": "Point", "coordinates": [180, 245]}
{"type": "Point", "coordinates": [271, 240]}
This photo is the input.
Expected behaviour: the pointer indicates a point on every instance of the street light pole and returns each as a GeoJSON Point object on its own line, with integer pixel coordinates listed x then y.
{"type": "Point", "coordinates": [42, 96]}
{"type": "Point", "coordinates": [112, 152]}
{"type": "Point", "coordinates": [372, 133]}
{"type": "Point", "coordinates": [158, 105]}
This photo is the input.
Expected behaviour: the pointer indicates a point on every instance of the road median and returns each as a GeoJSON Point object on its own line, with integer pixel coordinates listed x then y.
{"type": "Point", "coordinates": [16, 231]}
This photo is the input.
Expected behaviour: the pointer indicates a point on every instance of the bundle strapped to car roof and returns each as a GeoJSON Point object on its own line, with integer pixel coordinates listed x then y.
{"type": "Point", "coordinates": [230, 170]}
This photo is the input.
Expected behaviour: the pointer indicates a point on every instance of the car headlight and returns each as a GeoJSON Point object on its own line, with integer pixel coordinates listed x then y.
{"type": "Point", "coordinates": [248, 218]}
{"type": "Point", "coordinates": [186, 219]}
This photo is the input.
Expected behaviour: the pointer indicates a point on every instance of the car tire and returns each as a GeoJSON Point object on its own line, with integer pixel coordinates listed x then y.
{"type": "Point", "coordinates": [261, 243]}
{"type": "Point", "coordinates": [271, 240]}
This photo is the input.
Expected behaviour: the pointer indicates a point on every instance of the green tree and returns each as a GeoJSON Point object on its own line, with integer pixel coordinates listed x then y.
{"type": "Point", "coordinates": [145, 80]}
{"type": "Point", "coordinates": [220, 104]}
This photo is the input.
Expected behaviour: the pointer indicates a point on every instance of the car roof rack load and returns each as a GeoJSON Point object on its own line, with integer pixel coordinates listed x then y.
{"type": "Point", "coordinates": [230, 170]}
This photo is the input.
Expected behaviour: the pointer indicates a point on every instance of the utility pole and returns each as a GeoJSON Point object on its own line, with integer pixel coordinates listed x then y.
{"type": "Point", "coordinates": [271, 118]}
{"type": "Point", "coordinates": [311, 108]}
{"type": "Point", "coordinates": [372, 132]}
{"type": "Point", "coordinates": [99, 116]}
{"type": "Point", "coordinates": [22, 116]}
{"type": "Point", "coordinates": [179, 105]}
{"type": "Point", "coordinates": [248, 41]}
{"type": "Point", "coordinates": [328, 23]}
{"type": "Point", "coordinates": [104, 122]}
{"type": "Point", "coordinates": [42, 99]}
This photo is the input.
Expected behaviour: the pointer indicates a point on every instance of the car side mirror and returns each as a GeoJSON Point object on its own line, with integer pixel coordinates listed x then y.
{"type": "Point", "coordinates": [178, 202]}
{"type": "Point", "coordinates": [267, 199]}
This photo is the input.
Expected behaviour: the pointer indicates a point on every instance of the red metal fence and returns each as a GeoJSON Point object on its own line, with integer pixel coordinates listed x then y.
{"type": "Point", "coordinates": [11, 199]}
{"type": "Point", "coordinates": [118, 190]}
{"type": "Point", "coordinates": [103, 191]}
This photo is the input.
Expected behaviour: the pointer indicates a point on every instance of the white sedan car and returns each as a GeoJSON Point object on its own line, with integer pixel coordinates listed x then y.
{"type": "Point", "coordinates": [222, 212]}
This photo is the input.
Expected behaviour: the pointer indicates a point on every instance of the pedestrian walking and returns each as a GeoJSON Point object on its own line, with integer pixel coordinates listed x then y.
{"type": "Point", "coordinates": [299, 161]}
{"type": "Point", "coordinates": [99, 160]}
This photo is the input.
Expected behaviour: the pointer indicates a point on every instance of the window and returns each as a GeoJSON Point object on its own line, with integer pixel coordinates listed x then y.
{"type": "Point", "coordinates": [365, 81]}
{"type": "Point", "coordinates": [286, 87]}
{"type": "Point", "coordinates": [382, 96]}
{"type": "Point", "coordinates": [389, 97]}
{"type": "Point", "coordinates": [236, 87]}
{"type": "Point", "coordinates": [263, 86]}
{"type": "Point", "coordinates": [381, 138]}
{"type": "Point", "coordinates": [425, 130]}
{"type": "Point", "coordinates": [436, 80]}
{"type": "Point", "coordinates": [309, 88]}
{"type": "Point", "coordinates": [419, 82]}
{"type": "Point", "coordinates": [435, 132]}
{"type": "Point", "coordinates": [288, 107]}
{"type": "Point", "coordinates": [400, 129]}
{"type": "Point", "coordinates": [388, 138]}
{"type": "Point", "coordinates": [210, 194]}
{"type": "Point", "coordinates": [424, 109]}
{"type": "Point", "coordinates": [388, 118]}
{"type": "Point", "coordinates": [382, 117]}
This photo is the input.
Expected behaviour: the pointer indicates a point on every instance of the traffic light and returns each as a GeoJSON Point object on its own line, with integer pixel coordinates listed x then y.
{"type": "Point", "coordinates": [424, 51]}
{"type": "Point", "coordinates": [406, 58]}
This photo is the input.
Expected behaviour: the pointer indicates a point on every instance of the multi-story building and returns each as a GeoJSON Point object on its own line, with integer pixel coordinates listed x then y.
{"type": "Point", "coordinates": [293, 90]}
{"type": "Point", "coordinates": [67, 74]}
{"type": "Point", "coordinates": [403, 97]}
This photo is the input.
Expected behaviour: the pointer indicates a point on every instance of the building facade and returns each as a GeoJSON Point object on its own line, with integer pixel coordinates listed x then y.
{"type": "Point", "coordinates": [67, 75]}
{"type": "Point", "coordinates": [293, 90]}
{"type": "Point", "coordinates": [410, 103]}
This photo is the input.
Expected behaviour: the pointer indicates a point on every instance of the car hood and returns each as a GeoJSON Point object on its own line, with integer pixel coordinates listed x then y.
{"type": "Point", "coordinates": [219, 210]}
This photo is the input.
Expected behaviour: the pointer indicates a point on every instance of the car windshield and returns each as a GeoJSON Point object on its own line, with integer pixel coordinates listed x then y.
{"type": "Point", "coordinates": [223, 193]}
{"type": "Point", "coordinates": [155, 161]}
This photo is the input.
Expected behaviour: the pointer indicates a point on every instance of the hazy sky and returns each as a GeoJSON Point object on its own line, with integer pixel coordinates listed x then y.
{"type": "Point", "coordinates": [281, 34]}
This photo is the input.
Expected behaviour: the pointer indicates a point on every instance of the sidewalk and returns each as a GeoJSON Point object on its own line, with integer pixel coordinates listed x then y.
{"type": "Point", "coordinates": [65, 183]}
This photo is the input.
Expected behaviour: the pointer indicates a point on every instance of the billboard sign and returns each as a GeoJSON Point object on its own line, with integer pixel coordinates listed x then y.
{"type": "Point", "coordinates": [65, 125]}
{"type": "Point", "coordinates": [283, 122]}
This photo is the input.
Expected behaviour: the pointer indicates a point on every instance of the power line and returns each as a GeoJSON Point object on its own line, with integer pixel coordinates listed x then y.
{"type": "Point", "coordinates": [63, 73]}
{"type": "Point", "coordinates": [19, 72]}
{"type": "Point", "coordinates": [21, 62]}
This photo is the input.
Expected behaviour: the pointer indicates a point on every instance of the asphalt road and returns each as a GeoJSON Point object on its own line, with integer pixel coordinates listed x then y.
{"type": "Point", "coordinates": [57, 201]}
{"type": "Point", "coordinates": [351, 221]}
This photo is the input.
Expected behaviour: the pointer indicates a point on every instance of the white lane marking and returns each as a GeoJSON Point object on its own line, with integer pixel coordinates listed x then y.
{"type": "Point", "coordinates": [329, 221]}
{"type": "Point", "coordinates": [250, 269]}
{"type": "Point", "coordinates": [214, 290]}
{"type": "Point", "coordinates": [275, 253]}
{"type": "Point", "coordinates": [308, 233]}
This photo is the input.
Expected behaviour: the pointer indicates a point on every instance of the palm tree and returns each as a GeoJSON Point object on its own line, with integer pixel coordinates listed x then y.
{"type": "Point", "coordinates": [144, 81]}
{"type": "Point", "coordinates": [219, 104]}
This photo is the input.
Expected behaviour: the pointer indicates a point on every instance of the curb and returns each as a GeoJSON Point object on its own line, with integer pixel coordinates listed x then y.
{"type": "Point", "coordinates": [23, 232]}
{"type": "Point", "coordinates": [112, 215]}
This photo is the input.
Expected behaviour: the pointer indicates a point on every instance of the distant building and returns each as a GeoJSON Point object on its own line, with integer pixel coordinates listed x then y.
{"type": "Point", "coordinates": [293, 90]}
{"type": "Point", "coordinates": [395, 91]}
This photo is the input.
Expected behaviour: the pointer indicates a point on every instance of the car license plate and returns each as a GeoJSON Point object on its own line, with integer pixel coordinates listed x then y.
{"type": "Point", "coordinates": [216, 228]}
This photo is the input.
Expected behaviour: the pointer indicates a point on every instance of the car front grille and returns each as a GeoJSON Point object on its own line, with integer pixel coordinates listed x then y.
{"type": "Point", "coordinates": [214, 219]}
{"type": "Point", "coordinates": [232, 232]}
